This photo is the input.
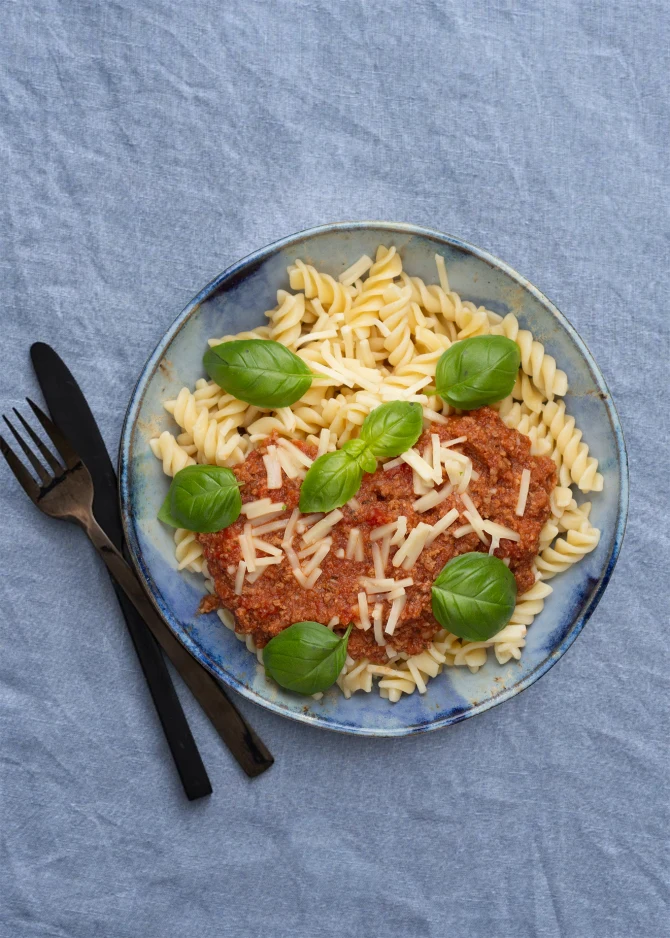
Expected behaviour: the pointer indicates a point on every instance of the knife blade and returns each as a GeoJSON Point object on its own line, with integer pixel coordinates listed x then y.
{"type": "Point", "coordinates": [72, 414]}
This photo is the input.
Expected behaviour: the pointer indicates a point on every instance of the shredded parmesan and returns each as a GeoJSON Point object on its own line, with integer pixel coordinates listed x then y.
{"type": "Point", "coordinates": [433, 498]}
{"type": "Point", "coordinates": [312, 549]}
{"type": "Point", "coordinates": [463, 530]}
{"type": "Point", "coordinates": [363, 611]}
{"type": "Point", "coordinates": [247, 549]}
{"type": "Point", "coordinates": [262, 507]}
{"type": "Point", "coordinates": [377, 560]}
{"type": "Point", "coordinates": [354, 504]}
{"type": "Point", "coordinates": [392, 464]}
{"type": "Point", "coordinates": [400, 531]}
{"type": "Point", "coordinates": [259, 544]}
{"type": "Point", "coordinates": [495, 544]}
{"type": "Point", "coordinates": [384, 584]}
{"type": "Point", "coordinates": [321, 528]}
{"type": "Point", "coordinates": [419, 464]}
{"type": "Point", "coordinates": [385, 550]}
{"type": "Point", "coordinates": [378, 533]}
{"type": "Point", "coordinates": [500, 531]}
{"type": "Point", "coordinates": [290, 527]}
{"type": "Point", "coordinates": [523, 492]}
{"type": "Point", "coordinates": [270, 528]}
{"type": "Point", "coordinates": [339, 553]}
{"type": "Point", "coordinates": [288, 465]}
{"type": "Point", "coordinates": [272, 468]}
{"type": "Point", "coordinates": [296, 454]}
{"type": "Point", "coordinates": [441, 526]}
{"type": "Point", "coordinates": [410, 550]}
{"type": "Point", "coordinates": [377, 624]}
{"type": "Point", "coordinates": [437, 463]}
{"type": "Point", "coordinates": [397, 607]}
{"type": "Point", "coordinates": [353, 544]}
{"type": "Point", "coordinates": [320, 554]}
{"type": "Point", "coordinates": [239, 578]}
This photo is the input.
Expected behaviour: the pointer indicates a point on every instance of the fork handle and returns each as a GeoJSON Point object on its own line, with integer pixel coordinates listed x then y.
{"type": "Point", "coordinates": [245, 745]}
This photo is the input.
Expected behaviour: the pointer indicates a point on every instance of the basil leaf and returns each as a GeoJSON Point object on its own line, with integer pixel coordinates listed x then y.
{"type": "Point", "coordinates": [203, 499]}
{"type": "Point", "coordinates": [360, 450]}
{"type": "Point", "coordinates": [474, 596]}
{"type": "Point", "coordinates": [391, 429]}
{"type": "Point", "coordinates": [259, 371]}
{"type": "Point", "coordinates": [477, 371]}
{"type": "Point", "coordinates": [306, 657]}
{"type": "Point", "coordinates": [331, 480]}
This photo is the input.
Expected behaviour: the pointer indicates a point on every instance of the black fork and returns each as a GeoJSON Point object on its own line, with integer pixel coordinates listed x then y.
{"type": "Point", "coordinates": [65, 491]}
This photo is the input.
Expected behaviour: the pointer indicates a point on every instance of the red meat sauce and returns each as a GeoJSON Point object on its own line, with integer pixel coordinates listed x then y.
{"type": "Point", "coordinates": [276, 600]}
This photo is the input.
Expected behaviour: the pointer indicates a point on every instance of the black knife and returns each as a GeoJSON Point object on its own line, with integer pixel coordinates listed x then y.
{"type": "Point", "coordinates": [72, 414]}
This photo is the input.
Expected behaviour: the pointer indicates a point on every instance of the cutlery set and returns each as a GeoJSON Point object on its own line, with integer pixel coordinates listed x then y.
{"type": "Point", "coordinates": [74, 480]}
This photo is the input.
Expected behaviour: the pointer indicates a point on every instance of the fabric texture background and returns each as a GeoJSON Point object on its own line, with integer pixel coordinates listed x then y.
{"type": "Point", "coordinates": [144, 146]}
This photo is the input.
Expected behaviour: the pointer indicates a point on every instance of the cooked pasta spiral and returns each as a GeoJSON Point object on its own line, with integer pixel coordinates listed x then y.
{"type": "Point", "coordinates": [571, 453]}
{"type": "Point", "coordinates": [217, 442]}
{"type": "Point", "coordinates": [333, 296]}
{"type": "Point", "coordinates": [188, 551]}
{"type": "Point", "coordinates": [567, 550]}
{"type": "Point", "coordinates": [535, 362]}
{"type": "Point", "coordinates": [287, 317]}
{"type": "Point", "coordinates": [174, 458]}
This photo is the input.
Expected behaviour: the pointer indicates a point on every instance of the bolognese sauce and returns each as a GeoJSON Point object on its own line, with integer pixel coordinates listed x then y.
{"type": "Point", "coordinates": [498, 455]}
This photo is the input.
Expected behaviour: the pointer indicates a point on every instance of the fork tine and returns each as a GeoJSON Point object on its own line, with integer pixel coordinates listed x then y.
{"type": "Point", "coordinates": [67, 453]}
{"type": "Point", "coordinates": [29, 485]}
{"type": "Point", "coordinates": [34, 461]}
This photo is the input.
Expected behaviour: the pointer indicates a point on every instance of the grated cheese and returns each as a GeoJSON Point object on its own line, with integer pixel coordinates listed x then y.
{"type": "Point", "coordinates": [320, 554]}
{"type": "Point", "coordinates": [385, 549]}
{"type": "Point", "coordinates": [259, 544]}
{"type": "Point", "coordinates": [377, 561]}
{"type": "Point", "coordinates": [463, 530]}
{"type": "Point", "coordinates": [296, 454]}
{"type": "Point", "coordinates": [339, 553]}
{"type": "Point", "coordinates": [377, 533]}
{"type": "Point", "coordinates": [272, 468]}
{"type": "Point", "coordinates": [288, 465]}
{"type": "Point", "coordinates": [437, 463]}
{"type": "Point", "coordinates": [400, 531]}
{"type": "Point", "coordinates": [363, 611]}
{"type": "Point", "coordinates": [476, 527]}
{"type": "Point", "coordinates": [377, 624]}
{"type": "Point", "coordinates": [312, 549]}
{"type": "Point", "coordinates": [441, 526]}
{"type": "Point", "coordinates": [384, 584]}
{"type": "Point", "coordinates": [290, 527]}
{"type": "Point", "coordinates": [270, 528]}
{"type": "Point", "coordinates": [410, 550]}
{"type": "Point", "coordinates": [419, 464]}
{"type": "Point", "coordinates": [500, 531]}
{"type": "Point", "coordinates": [397, 607]}
{"type": "Point", "coordinates": [495, 544]}
{"type": "Point", "coordinates": [322, 527]}
{"type": "Point", "coordinates": [239, 578]}
{"type": "Point", "coordinates": [247, 549]}
{"type": "Point", "coordinates": [354, 504]}
{"type": "Point", "coordinates": [524, 488]}
{"type": "Point", "coordinates": [392, 464]}
{"type": "Point", "coordinates": [262, 507]}
{"type": "Point", "coordinates": [433, 498]}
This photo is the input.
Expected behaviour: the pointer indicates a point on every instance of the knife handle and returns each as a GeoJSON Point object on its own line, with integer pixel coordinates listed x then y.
{"type": "Point", "coordinates": [242, 740]}
{"type": "Point", "coordinates": [187, 759]}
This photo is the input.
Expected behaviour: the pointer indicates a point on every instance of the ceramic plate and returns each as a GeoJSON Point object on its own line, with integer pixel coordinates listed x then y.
{"type": "Point", "coordinates": [235, 301]}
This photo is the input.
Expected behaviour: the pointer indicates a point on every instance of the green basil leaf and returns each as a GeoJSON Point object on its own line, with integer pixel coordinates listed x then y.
{"type": "Point", "coordinates": [203, 499]}
{"type": "Point", "coordinates": [259, 371]}
{"type": "Point", "coordinates": [331, 480]}
{"type": "Point", "coordinates": [360, 450]}
{"type": "Point", "coordinates": [391, 429]}
{"type": "Point", "coordinates": [474, 596]}
{"type": "Point", "coordinates": [477, 371]}
{"type": "Point", "coordinates": [306, 657]}
{"type": "Point", "coordinates": [165, 514]}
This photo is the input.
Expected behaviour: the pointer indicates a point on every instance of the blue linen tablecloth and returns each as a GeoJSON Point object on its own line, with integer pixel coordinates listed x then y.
{"type": "Point", "coordinates": [144, 146]}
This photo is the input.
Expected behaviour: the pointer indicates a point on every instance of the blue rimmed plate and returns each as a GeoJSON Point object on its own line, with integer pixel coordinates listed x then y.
{"type": "Point", "coordinates": [234, 302]}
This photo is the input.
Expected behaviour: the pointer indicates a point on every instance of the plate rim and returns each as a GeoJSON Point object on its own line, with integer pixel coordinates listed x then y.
{"type": "Point", "coordinates": [229, 277]}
